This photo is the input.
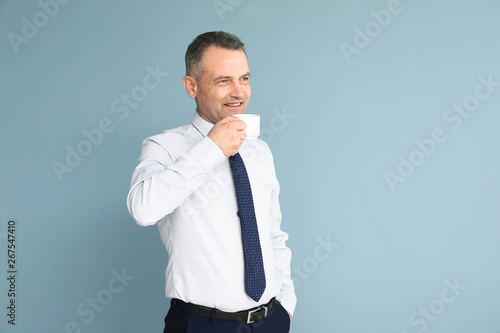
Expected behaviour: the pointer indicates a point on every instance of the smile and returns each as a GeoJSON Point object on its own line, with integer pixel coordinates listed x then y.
{"type": "Point", "coordinates": [234, 104]}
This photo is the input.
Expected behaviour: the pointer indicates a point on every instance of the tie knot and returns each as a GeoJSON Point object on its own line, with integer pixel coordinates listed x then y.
{"type": "Point", "coordinates": [237, 165]}
{"type": "Point", "coordinates": [235, 157]}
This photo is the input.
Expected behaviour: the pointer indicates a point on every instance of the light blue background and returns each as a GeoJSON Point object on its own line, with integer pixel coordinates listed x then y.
{"type": "Point", "coordinates": [352, 120]}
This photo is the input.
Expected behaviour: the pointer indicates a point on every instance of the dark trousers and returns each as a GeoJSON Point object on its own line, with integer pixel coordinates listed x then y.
{"type": "Point", "coordinates": [178, 321]}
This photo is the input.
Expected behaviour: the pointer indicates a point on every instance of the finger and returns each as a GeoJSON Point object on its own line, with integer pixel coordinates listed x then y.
{"type": "Point", "coordinates": [238, 138]}
{"type": "Point", "coordinates": [237, 122]}
{"type": "Point", "coordinates": [241, 125]}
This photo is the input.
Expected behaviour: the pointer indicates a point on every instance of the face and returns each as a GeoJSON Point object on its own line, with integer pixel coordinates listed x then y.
{"type": "Point", "coordinates": [224, 87]}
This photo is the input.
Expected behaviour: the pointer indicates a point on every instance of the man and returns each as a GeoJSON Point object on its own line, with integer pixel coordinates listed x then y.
{"type": "Point", "coordinates": [229, 267]}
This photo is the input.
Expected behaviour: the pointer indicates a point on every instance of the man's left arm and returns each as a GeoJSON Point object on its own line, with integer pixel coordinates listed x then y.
{"type": "Point", "coordinates": [282, 254]}
{"type": "Point", "coordinates": [282, 258]}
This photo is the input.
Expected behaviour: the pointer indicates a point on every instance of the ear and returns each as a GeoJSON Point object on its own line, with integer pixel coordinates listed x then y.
{"type": "Point", "coordinates": [190, 85]}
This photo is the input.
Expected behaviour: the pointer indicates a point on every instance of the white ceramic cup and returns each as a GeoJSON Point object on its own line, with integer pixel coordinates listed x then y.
{"type": "Point", "coordinates": [253, 125]}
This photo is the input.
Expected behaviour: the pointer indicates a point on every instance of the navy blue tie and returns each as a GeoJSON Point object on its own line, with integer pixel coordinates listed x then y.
{"type": "Point", "coordinates": [255, 278]}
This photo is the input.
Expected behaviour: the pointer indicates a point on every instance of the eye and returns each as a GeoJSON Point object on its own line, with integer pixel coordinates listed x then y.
{"type": "Point", "coordinates": [245, 78]}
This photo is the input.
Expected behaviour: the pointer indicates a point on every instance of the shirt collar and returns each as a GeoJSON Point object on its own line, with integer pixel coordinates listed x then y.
{"type": "Point", "coordinates": [201, 124]}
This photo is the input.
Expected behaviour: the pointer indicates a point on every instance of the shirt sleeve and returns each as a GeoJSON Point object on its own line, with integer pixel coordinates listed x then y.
{"type": "Point", "coordinates": [282, 254]}
{"type": "Point", "coordinates": [160, 183]}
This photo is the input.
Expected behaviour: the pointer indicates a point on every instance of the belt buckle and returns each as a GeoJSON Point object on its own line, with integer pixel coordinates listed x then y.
{"type": "Point", "coordinates": [249, 317]}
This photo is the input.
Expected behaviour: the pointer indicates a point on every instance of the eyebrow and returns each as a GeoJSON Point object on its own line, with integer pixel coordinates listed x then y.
{"type": "Point", "coordinates": [221, 77]}
{"type": "Point", "coordinates": [225, 77]}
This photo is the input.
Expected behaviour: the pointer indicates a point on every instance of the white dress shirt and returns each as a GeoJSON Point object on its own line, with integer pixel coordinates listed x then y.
{"type": "Point", "coordinates": [183, 183]}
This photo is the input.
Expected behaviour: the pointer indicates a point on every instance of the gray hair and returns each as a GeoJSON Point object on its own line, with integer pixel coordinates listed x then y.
{"type": "Point", "coordinates": [195, 50]}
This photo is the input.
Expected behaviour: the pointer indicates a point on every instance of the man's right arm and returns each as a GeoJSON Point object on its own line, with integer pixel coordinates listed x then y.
{"type": "Point", "coordinates": [160, 183]}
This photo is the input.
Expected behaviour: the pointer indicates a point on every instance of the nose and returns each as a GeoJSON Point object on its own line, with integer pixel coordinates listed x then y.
{"type": "Point", "coordinates": [236, 90]}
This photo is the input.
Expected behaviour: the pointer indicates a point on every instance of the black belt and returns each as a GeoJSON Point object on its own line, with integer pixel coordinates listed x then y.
{"type": "Point", "coordinates": [249, 316]}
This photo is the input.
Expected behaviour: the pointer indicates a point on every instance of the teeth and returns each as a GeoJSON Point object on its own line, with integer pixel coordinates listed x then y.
{"type": "Point", "coordinates": [234, 104]}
